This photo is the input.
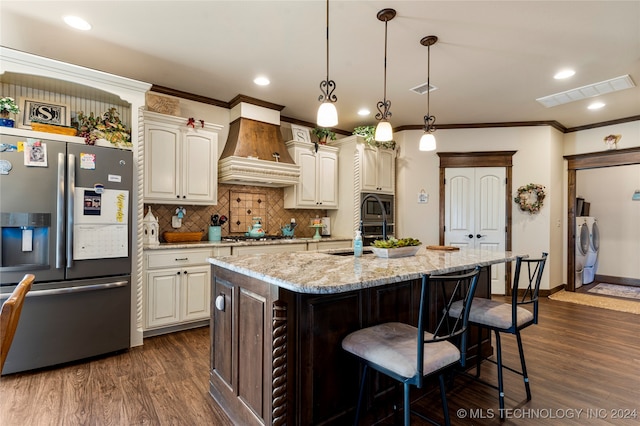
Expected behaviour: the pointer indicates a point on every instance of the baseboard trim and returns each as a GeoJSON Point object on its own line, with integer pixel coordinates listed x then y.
{"type": "Point", "coordinates": [173, 329]}
{"type": "Point", "coordinates": [549, 292]}
{"type": "Point", "coordinates": [617, 280]}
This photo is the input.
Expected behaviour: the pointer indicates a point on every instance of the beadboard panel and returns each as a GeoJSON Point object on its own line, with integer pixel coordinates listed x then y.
{"type": "Point", "coordinates": [64, 93]}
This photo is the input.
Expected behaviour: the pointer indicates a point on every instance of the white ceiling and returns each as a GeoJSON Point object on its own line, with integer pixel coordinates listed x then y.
{"type": "Point", "coordinates": [492, 60]}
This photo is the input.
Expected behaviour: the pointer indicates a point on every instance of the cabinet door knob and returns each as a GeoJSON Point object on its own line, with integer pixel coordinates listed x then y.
{"type": "Point", "coordinates": [220, 303]}
{"type": "Point", "coordinates": [470, 235]}
{"type": "Point", "coordinates": [178, 273]}
{"type": "Point", "coordinates": [478, 236]}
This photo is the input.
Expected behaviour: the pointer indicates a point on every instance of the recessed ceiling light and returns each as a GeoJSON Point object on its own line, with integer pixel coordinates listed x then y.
{"type": "Point", "coordinates": [364, 112]}
{"type": "Point", "coordinates": [77, 23]}
{"type": "Point", "coordinates": [596, 105]}
{"type": "Point", "coordinates": [564, 74]}
{"type": "Point", "coordinates": [261, 81]}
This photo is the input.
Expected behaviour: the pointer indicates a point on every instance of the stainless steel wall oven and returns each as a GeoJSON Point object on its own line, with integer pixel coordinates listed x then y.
{"type": "Point", "coordinates": [372, 217]}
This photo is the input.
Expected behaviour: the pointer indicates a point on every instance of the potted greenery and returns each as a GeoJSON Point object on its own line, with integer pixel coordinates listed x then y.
{"type": "Point", "coordinates": [323, 134]}
{"type": "Point", "coordinates": [7, 106]}
{"type": "Point", "coordinates": [108, 127]}
{"type": "Point", "coordinates": [368, 134]}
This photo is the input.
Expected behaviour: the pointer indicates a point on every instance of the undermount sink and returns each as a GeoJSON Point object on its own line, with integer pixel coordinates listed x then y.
{"type": "Point", "coordinates": [349, 252]}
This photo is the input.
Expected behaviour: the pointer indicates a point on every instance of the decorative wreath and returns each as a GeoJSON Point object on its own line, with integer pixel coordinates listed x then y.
{"type": "Point", "coordinates": [530, 197]}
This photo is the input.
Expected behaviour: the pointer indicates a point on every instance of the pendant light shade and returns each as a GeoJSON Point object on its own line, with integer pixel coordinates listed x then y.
{"type": "Point", "coordinates": [327, 113]}
{"type": "Point", "coordinates": [428, 141]}
{"type": "Point", "coordinates": [384, 132]}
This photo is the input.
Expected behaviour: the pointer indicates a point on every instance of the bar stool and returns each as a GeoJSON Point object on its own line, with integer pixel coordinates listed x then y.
{"type": "Point", "coordinates": [502, 317]}
{"type": "Point", "coordinates": [408, 354]}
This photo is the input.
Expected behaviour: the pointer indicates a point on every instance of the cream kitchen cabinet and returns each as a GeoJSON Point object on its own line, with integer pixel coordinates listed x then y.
{"type": "Point", "coordinates": [318, 186]}
{"type": "Point", "coordinates": [378, 169]}
{"type": "Point", "coordinates": [270, 248]}
{"type": "Point", "coordinates": [180, 162]}
{"type": "Point", "coordinates": [367, 169]}
{"type": "Point", "coordinates": [177, 290]}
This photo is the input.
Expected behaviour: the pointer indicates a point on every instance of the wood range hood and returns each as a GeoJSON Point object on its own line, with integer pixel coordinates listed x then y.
{"type": "Point", "coordinates": [255, 153]}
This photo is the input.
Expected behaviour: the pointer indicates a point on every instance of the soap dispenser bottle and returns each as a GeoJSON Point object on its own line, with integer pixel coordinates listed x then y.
{"type": "Point", "coordinates": [357, 244]}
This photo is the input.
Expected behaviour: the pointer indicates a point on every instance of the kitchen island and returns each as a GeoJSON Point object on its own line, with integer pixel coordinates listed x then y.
{"type": "Point", "coordinates": [278, 320]}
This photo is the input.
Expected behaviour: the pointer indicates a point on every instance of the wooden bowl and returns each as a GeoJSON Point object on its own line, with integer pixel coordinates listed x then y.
{"type": "Point", "coordinates": [182, 237]}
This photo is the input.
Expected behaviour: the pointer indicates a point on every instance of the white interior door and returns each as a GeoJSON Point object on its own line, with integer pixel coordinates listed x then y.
{"type": "Point", "coordinates": [475, 213]}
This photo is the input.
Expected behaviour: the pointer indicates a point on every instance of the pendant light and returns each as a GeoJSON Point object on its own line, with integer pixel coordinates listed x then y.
{"type": "Point", "coordinates": [384, 132]}
{"type": "Point", "coordinates": [428, 141]}
{"type": "Point", "coordinates": [327, 113]}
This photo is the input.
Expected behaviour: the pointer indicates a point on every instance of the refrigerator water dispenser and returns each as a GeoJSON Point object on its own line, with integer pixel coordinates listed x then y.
{"type": "Point", "coordinates": [24, 240]}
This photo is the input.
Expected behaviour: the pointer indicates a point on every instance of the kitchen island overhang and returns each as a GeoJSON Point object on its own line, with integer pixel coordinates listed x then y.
{"type": "Point", "coordinates": [329, 272]}
{"type": "Point", "coordinates": [278, 321]}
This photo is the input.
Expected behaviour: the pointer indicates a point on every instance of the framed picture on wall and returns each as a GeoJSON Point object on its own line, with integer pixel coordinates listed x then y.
{"type": "Point", "coordinates": [43, 112]}
{"type": "Point", "coordinates": [300, 133]}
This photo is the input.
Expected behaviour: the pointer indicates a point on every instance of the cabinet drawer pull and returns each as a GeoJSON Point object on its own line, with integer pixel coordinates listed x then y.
{"type": "Point", "coordinates": [220, 303]}
{"type": "Point", "coordinates": [182, 258]}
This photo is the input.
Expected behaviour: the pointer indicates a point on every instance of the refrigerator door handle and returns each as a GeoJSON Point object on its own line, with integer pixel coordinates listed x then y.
{"type": "Point", "coordinates": [71, 185]}
{"type": "Point", "coordinates": [60, 214]}
{"type": "Point", "coordinates": [77, 289]}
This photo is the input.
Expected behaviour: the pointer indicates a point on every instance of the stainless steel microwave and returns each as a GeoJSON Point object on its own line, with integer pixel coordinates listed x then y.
{"type": "Point", "coordinates": [372, 209]}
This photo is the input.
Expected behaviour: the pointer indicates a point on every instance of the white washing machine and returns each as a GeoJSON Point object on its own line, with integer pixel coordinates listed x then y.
{"type": "Point", "coordinates": [591, 263]}
{"type": "Point", "coordinates": [582, 249]}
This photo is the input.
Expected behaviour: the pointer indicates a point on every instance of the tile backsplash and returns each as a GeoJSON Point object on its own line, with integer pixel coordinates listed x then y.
{"type": "Point", "coordinates": [240, 204]}
{"type": "Point", "coordinates": [243, 207]}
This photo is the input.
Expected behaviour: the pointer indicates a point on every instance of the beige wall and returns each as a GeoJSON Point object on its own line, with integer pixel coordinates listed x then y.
{"type": "Point", "coordinates": [592, 140]}
{"type": "Point", "coordinates": [532, 163]}
{"type": "Point", "coordinates": [539, 159]}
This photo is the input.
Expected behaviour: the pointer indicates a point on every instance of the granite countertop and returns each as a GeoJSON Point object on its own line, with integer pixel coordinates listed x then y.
{"type": "Point", "coordinates": [326, 273]}
{"type": "Point", "coordinates": [209, 244]}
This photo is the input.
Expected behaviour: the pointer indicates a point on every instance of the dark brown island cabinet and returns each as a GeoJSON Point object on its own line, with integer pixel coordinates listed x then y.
{"type": "Point", "coordinates": [276, 331]}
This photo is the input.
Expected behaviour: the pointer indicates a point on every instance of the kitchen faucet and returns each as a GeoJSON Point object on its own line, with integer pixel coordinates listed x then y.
{"type": "Point", "coordinates": [384, 214]}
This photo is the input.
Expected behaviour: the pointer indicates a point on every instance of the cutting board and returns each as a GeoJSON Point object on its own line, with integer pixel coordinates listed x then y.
{"type": "Point", "coordinates": [443, 248]}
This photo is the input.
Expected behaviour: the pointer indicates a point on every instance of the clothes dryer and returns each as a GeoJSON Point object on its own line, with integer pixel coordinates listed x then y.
{"type": "Point", "coordinates": [591, 262]}
{"type": "Point", "coordinates": [582, 248]}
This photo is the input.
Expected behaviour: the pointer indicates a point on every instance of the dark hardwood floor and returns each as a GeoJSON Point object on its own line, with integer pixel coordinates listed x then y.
{"type": "Point", "coordinates": [164, 382]}
{"type": "Point", "coordinates": [584, 368]}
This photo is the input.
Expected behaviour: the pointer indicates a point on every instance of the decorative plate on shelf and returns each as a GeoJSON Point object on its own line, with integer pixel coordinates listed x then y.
{"type": "Point", "coordinates": [395, 252]}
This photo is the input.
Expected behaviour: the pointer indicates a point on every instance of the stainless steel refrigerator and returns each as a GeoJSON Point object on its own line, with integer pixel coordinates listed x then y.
{"type": "Point", "coordinates": [65, 216]}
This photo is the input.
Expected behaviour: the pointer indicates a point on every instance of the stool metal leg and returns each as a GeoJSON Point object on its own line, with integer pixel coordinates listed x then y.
{"type": "Point", "coordinates": [407, 404]}
{"type": "Point", "coordinates": [364, 378]}
{"type": "Point", "coordinates": [443, 395]}
{"type": "Point", "coordinates": [500, 384]}
{"type": "Point", "coordinates": [479, 351]}
{"type": "Point", "coordinates": [524, 366]}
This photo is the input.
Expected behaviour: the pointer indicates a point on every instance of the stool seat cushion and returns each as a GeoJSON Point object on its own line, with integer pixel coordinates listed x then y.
{"type": "Point", "coordinates": [493, 313]}
{"type": "Point", "coordinates": [393, 346]}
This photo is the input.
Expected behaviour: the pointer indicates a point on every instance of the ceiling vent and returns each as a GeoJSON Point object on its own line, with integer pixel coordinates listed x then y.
{"type": "Point", "coordinates": [589, 91]}
{"type": "Point", "coordinates": [422, 88]}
